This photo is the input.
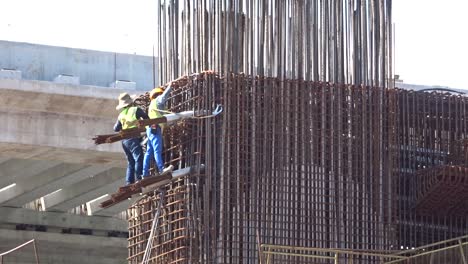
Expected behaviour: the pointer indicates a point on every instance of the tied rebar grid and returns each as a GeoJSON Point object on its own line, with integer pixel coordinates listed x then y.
{"type": "Point", "coordinates": [288, 162]}
{"type": "Point", "coordinates": [430, 168]}
{"type": "Point", "coordinates": [303, 163]}
{"type": "Point", "coordinates": [335, 41]}
{"type": "Point", "coordinates": [180, 236]}
{"type": "Point", "coordinates": [171, 237]}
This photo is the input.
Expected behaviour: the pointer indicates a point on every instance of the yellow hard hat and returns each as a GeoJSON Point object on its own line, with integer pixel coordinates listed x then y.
{"type": "Point", "coordinates": [156, 91]}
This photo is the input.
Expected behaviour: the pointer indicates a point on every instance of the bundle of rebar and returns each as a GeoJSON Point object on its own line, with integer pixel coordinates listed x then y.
{"type": "Point", "coordinates": [331, 41]}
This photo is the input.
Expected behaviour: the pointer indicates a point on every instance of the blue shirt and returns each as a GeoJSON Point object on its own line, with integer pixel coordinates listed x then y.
{"type": "Point", "coordinates": [162, 99]}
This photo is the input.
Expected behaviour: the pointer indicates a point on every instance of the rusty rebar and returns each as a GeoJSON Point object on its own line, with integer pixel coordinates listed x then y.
{"type": "Point", "coordinates": [287, 159]}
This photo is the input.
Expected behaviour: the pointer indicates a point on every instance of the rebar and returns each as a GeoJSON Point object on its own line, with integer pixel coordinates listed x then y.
{"type": "Point", "coordinates": [315, 148]}
{"type": "Point", "coordinates": [292, 166]}
{"type": "Point", "coordinates": [312, 164]}
{"type": "Point", "coordinates": [335, 41]}
{"type": "Point", "coordinates": [430, 167]}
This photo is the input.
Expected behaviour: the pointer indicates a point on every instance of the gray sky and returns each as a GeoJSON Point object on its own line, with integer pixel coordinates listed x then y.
{"type": "Point", "coordinates": [430, 43]}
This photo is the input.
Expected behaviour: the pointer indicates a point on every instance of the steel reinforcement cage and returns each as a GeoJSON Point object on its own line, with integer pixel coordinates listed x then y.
{"type": "Point", "coordinates": [304, 164]}
{"type": "Point", "coordinates": [298, 158]}
{"type": "Point", "coordinates": [288, 162]}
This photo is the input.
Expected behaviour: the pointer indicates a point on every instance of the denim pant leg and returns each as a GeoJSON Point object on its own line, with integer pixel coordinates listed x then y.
{"type": "Point", "coordinates": [129, 178]}
{"type": "Point", "coordinates": [155, 137]}
{"type": "Point", "coordinates": [137, 152]}
{"type": "Point", "coordinates": [148, 155]}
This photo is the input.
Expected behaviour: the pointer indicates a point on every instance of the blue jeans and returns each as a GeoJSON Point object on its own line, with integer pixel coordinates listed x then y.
{"type": "Point", "coordinates": [153, 150]}
{"type": "Point", "coordinates": [134, 153]}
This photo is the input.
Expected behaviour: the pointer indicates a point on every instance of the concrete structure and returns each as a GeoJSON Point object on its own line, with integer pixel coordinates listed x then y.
{"type": "Point", "coordinates": [125, 85]}
{"type": "Point", "coordinates": [73, 248]}
{"type": "Point", "coordinates": [62, 78]}
{"type": "Point", "coordinates": [46, 63]}
{"type": "Point", "coordinates": [10, 74]}
{"type": "Point", "coordinates": [48, 161]}
{"type": "Point", "coordinates": [418, 87]}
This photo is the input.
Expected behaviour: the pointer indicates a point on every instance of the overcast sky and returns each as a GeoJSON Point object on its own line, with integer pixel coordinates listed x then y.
{"type": "Point", "coordinates": [431, 41]}
{"type": "Point", "coordinates": [431, 44]}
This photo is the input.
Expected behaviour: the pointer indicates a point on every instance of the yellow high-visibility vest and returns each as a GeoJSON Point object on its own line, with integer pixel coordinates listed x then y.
{"type": "Point", "coordinates": [153, 111]}
{"type": "Point", "coordinates": [128, 117]}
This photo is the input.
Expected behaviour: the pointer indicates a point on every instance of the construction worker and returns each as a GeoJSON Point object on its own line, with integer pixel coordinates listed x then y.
{"type": "Point", "coordinates": [154, 147]}
{"type": "Point", "coordinates": [128, 116]}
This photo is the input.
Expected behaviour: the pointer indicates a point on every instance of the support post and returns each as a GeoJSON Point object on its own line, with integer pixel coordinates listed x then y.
{"type": "Point", "coordinates": [35, 251]}
{"type": "Point", "coordinates": [462, 252]}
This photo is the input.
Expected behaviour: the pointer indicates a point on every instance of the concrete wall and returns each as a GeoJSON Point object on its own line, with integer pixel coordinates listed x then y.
{"type": "Point", "coordinates": [57, 115]}
{"type": "Point", "coordinates": [97, 68]}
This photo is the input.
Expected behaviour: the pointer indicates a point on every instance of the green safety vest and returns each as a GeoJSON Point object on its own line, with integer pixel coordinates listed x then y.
{"type": "Point", "coordinates": [128, 117]}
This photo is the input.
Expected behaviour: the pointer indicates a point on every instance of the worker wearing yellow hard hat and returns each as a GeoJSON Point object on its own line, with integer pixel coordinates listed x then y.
{"type": "Point", "coordinates": [156, 92]}
{"type": "Point", "coordinates": [154, 146]}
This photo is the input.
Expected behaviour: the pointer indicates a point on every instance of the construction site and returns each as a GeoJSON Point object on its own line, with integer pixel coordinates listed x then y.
{"type": "Point", "coordinates": [289, 138]}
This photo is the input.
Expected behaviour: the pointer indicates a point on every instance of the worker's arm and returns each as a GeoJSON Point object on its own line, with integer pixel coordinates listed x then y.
{"type": "Point", "coordinates": [161, 100]}
{"type": "Point", "coordinates": [140, 114]}
{"type": "Point", "coordinates": [117, 126]}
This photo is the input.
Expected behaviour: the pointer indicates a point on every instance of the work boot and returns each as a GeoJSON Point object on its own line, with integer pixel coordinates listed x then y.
{"type": "Point", "coordinates": [168, 169]}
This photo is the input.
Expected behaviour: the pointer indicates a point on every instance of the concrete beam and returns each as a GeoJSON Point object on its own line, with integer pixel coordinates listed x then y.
{"type": "Point", "coordinates": [58, 102]}
{"type": "Point", "coordinates": [35, 180]}
{"type": "Point", "coordinates": [116, 209]}
{"type": "Point", "coordinates": [55, 129]}
{"type": "Point", "coordinates": [84, 191]}
{"type": "Point", "coordinates": [94, 207]}
{"type": "Point", "coordinates": [3, 160]}
{"type": "Point", "coordinates": [69, 155]}
{"type": "Point", "coordinates": [64, 248]}
{"type": "Point", "coordinates": [67, 79]}
{"type": "Point", "coordinates": [35, 188]}
{"type": "Point", "coordinates": [123, 84]}
{"type": "Point", "coordinates": [11, 215]}
{"type": "Point", "coordinates": [10, 74]}
{"type": "Point", "coordinates": [46, 87]}
{"type": "Point", "coordinates": [42, 118]}
{"type": "Point", "coordinates": [14, 170]}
